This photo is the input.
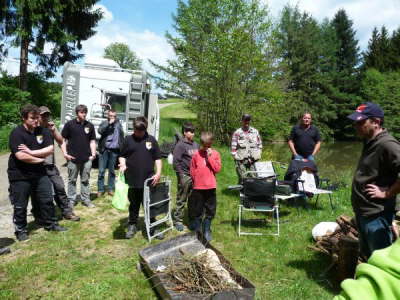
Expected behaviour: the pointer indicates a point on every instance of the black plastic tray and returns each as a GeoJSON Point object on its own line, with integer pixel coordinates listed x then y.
{"type": "Point", "coordinates": [160, 254]}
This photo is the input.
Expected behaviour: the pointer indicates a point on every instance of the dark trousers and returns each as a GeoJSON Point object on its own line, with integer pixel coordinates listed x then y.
{"type": "Point", "coordinates": [202, 202]}
{"type": "Point", "coordinates": [135, 196]}
{"type": "Point", "coordinates": [183, 192]}
{"type": "Point", "coordinates": [375, 232]}
{"type": "Point", "coordinates": [59, 193]}
{"type": "Point", "coordinates": [20, 191]}
{"type": "Point", "coordinates": [107, 161]}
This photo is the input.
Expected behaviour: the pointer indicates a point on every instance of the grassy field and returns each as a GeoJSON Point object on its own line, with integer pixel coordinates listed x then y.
{"type": "Point", "coordinates": [94, 261]}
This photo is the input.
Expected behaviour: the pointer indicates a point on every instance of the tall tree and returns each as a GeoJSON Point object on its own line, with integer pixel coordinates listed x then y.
{"type": "Point", "coordinates": [307, 60]}
{"type": "Point", "coordinates": [376, 55]}
{"type": "Point", "coordinates": [223, 64]}
{"type": "Point", "coordinates": [61, 24]}
{"type": "Point", "coordinates": [123, 55]}
{"type": "Point", "coordinates": [394, 52]}
{"type": "Point", "coordinates": [346, 75]}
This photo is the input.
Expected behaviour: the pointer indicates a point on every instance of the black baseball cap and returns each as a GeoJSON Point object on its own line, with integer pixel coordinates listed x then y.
{"type": "Point", "coordinates": [365, 111]}
{"type": "Point", "coordinates": [246, 117]}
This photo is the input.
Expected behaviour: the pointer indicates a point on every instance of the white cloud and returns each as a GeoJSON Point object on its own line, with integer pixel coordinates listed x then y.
{"type": "Point", "coordinates": [365, 14]}
{"type": "Point", "coordinates": [107, 15]}
{"type": "Point", "coordinates": [146, 44]}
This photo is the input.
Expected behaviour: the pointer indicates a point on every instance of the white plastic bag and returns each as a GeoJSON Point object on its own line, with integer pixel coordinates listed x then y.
{"type": "Point", "coordinates": [323, 228]}
{"type": "Point", "coordinates": [170, 158]}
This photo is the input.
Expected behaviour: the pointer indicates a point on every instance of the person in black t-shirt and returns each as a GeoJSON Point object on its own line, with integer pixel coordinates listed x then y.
{"type": "Point", "coordinates": [304, 140]}
{"type": "Point", "coordinates": [60, 196]}
{"type": "Point", "coordinates": [79, 150]}
{"type": "Point", "coordinates": [139, 153]}
{"type": "Point", "coordinates": [30, 144]}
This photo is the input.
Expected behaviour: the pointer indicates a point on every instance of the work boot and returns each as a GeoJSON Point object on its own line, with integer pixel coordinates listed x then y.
{"type": "Point", "coordinates": [22, 236]}
{"type": "Point", "coordinates": [55, 227]}
{"type": "Point", "coordinates": [207, 229]}
{"type": "Point", "coordinates": [88, 204]}
{"type": "Point", "coordinates": [131, 231]}
{"type": "Point", "coordinates": [195, 225]}
{"type": "Point", "coordinates": [179, 226]}
{"type": "Point", "coordinates": [71, 217]}
{"type": "Point", "coordinates": [154, 231]}
{"type": "Point", "coordinates": [4, 250]}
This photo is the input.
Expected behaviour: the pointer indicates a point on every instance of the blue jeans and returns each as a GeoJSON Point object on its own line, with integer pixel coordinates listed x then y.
{"type": "Point", "coordinates": [299, 157]}
{"type": "Point", "coordinates": [107, 160]}
{"type": "Point", "coordinates": [375, 232]}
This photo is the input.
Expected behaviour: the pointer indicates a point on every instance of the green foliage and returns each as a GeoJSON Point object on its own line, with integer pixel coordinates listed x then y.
{"type": "Point", "coordinates": [4, 136]}
{"type": "Point", "coordinates": [40, 92]}
{"type": "Point", "coordinates": [223, 66]}
{"type": "Point", "coordinates": [384, 89]}
{"type": "Point", "coordinates": [346, 75]}
{"type": "Point", "coordinates": [125, 57]}
{"type": "Point", "coordinates": [11, 101]}
{"type": "Point", "coordinates": [63, 24]}
{"type": "Point", "coordinates": [379, 46]}
{"type": "Point", "coordinates": [307, 50]}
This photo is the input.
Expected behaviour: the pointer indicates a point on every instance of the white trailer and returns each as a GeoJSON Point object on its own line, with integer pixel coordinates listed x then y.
{"type": "Point", "coordinates": [101, 84]}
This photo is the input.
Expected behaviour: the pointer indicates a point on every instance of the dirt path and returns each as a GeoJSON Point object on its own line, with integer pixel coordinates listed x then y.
{"type": "Point", "coordinates": [6, 224]}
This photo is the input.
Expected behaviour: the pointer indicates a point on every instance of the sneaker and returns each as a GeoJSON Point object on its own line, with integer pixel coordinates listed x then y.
{"type": "Point", "coordinates": [111, 193]}
{"type": "Point", "coordinates": [100, 194]}
{"type": "Point", "coordinates": [154, 232]}
{"type": "Point", "coordinates": [89, 204]}
{"type": "Point", "coordinates": [71, 217]}
{"type": "Point", "coordinates": [22, 236]}
{"type": "Point", "coordinates": [55, 227]}
{"type": "Point", "coordinates": [5, 250]}
{"type": "Point", "coordinates": [131, 231]}
{"type": "Point", "coordinates": [179, 226]}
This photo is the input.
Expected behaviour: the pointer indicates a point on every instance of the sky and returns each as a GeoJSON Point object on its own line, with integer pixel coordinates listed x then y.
{"type": "Point", "coordinates": [142, 24]}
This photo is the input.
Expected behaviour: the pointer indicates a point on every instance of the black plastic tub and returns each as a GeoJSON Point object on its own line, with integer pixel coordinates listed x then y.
{"type": "Point", "coordinates": [162, 253]}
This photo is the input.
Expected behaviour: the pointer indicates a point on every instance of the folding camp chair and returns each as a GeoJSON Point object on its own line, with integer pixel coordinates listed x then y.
{"type": "Point", "coordinates": [308, 186]}
{"type": "Point", "coordinates": [258, 195]}
{"type": "Point", "coordinates": [157, 201]}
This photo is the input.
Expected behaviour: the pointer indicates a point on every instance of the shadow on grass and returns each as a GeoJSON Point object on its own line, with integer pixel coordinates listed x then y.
{"type": "Point", "coordinates": [120, 231]}
{"type": "Point", "coordinates": [318, 270]}
{"type": "Point", "coordinates": [5, 242]}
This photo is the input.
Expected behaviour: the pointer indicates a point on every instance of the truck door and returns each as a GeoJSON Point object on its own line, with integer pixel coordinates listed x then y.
{"type": "Point", "coordinates": [153, 116]}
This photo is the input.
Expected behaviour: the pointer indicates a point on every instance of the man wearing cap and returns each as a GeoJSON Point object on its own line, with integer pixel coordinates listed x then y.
{"type": "Point", "coordinates": [60, 196]}
{"type": "Point", "coordinates": [246, 148]}
{"type": "Point", "coordinates": [376, 180]}
{"type": "Point", "coordinates": [304, 140]}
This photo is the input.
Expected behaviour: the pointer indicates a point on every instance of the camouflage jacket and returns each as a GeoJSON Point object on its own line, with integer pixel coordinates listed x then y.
{"type": "Point", "coordinates": [246, 144]}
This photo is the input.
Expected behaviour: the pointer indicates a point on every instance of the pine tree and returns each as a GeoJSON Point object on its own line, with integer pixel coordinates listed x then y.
{"type": "Point", "coordinates": [394, 52]}
{"type": "Point", "coordinates": [346, 75]}
{"type": "Point", "coordinates": [376, 55]}
{"type": "Point", "coordinates": [63, 24]}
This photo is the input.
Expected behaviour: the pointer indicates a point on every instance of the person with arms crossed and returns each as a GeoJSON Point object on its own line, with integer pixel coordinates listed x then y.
{"type": "Point", "coordinates": [29, 145]}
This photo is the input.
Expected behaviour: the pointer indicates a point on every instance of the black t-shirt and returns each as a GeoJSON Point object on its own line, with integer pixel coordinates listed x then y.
{"type": "Point", "coordinates": [304, 139]}
{"type": "Point", "coordinates": [38, 139]}
{"type": "Point", "coordinates": [79, 136]}
{"type": "Point", "coordinates": [140, 156]}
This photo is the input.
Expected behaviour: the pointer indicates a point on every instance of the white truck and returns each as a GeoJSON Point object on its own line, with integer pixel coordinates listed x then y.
{"type": "Point", "coordinates": [101, 84]}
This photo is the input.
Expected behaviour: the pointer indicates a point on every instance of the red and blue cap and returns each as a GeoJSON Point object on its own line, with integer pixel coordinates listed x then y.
{"type": "Point", "coordinates": [365, 111]}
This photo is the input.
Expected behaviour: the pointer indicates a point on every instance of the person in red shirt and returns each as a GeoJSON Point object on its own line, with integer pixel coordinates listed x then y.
{"type": "Point", "coordinates": [204, 165]}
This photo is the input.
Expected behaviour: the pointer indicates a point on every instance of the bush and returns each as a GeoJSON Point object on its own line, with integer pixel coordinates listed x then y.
{"type": "Point", "coordinates": [4, 134]}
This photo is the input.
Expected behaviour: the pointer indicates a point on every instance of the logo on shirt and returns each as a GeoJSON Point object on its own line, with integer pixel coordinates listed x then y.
{"type": "Point", "coordinates": [87, 130]}
{"type": "Point", "coordinates": [148, 145]}
{"type": "Point", "coordinates": [39, 139]}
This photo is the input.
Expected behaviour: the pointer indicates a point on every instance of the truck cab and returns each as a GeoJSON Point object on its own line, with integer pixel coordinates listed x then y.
{"type": "Point", "coordinates": [101, 84]}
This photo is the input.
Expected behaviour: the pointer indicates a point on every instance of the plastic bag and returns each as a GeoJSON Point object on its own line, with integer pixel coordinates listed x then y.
{"type": "Point", "coordinates": [120, 199]}
{"type": "Point", "coordinates": [323, 228]}
{"type": "Point", "coordinates": [170, 158]}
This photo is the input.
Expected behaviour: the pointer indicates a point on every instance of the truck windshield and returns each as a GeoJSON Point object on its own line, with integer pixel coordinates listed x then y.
{"type": "Point", "coordinates": [118, 103]}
